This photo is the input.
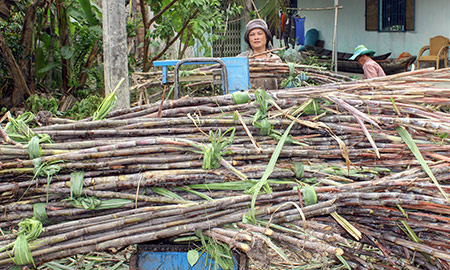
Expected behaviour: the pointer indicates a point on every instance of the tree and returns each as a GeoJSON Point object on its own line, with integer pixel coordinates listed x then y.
{"type": "Point", "coordinates": [185, 20]}
{"type": "Point", "coordinates": [52, 45]}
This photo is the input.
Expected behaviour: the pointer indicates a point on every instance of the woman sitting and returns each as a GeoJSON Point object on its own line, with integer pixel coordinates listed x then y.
{"type": "Point", "coordinates": [258, 38]}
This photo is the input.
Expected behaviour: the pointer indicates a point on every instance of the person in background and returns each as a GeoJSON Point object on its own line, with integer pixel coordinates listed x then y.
{"type": "Point", "coordinates": [258, 37]}
{"type": "Point", "coordinates": [371, 68]}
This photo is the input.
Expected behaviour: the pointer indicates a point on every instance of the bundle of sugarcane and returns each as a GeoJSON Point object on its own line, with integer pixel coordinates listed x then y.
{"type": "Point", "coordinates": [257, 69]}
{"type": "Point", "coordinates": [133, 160]}
{"type": "Point", "coordinates": [400, 219]}
{"type": "Point", "coordinates": [312, 74]}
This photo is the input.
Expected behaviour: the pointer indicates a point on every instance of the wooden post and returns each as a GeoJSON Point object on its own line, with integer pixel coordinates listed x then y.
{"type": "Point", "coordinates": [334, 57]}
{"type": "Point", "coordinates": [115, 51]}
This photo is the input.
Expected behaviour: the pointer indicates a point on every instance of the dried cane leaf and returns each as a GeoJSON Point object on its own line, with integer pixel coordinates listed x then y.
{"type": "Point", "coordinates": [347, 226]}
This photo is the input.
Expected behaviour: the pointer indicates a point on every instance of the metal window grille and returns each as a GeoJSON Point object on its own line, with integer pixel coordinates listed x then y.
{"type": "Point", "coordinates": [392, 15]}
{"type": "Point", "coordinates": [230, 43]}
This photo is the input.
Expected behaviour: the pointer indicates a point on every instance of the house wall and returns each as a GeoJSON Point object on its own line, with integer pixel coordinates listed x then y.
{"type": "Point", "coordinates": [432, 18]}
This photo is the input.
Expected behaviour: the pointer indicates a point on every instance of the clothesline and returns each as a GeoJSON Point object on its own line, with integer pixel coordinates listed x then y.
{"type": "Point", "coordinates": [314, 9]}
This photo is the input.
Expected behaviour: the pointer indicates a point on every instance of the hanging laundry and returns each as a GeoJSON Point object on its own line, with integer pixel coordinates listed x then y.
{"type": "Point", "coordinates": [289, 34]}
{"type": "Point", "coordinates": [283, 23]}
{"type": "Point", "coordinates": [300, 30]}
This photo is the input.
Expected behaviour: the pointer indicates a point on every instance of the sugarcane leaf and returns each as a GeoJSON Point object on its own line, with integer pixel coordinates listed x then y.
{"type": "Point", "coordinates": [76, 184]}
{"type": "Point", "coordinates": [266, 127]}
{"type": "Point", "coordinates": [347, 226]}
{"type": "Point", "coordinates": [415, 150]}
{"type": "Point", "coordinates": [413, 236]}
{"type": "Point", "coordinates": [40, 213]}
{"type": "Point", "coordinates": [240, 97]}
{"type": "Point", "coordinates": [90, 203]}
{"type": "Point", "coordinates": [22, 251]}
{"type": "Point", "coordinates": [212, 153]}
{"type": "Point", "coordinates": [270, 167]}
{"type": "Point", "coordinates": [108, 103]}
{"type": "Point", "coordinates": [112, 203]}
{"type": "Point", "coordinates": [291, 67]}
{"type": "Point", "coordinates": [410, 233]}
{"type": "Point", "coordinates": [34, 149]}
{"type": "Point", "coordinates": [312, 108]}
{"type": "Point", "coordinates": [192, 256]}
{"type": "Point", "coordinates": [343, 261]}
{"type": "Point", "coordinates": [299, 170]}
{"type": "Point", "coordinates": [166, 193]}
{"type": "Point", "coordinates": [402, 210]}
{"type": "Point", "coordinates": [235, 185]}
{"type": "Point", "coordinates": [197, 193]}
{"type": "Point", "coordinates": [51, 169]}
{"type": "Point", "coordinates": [309, 195]}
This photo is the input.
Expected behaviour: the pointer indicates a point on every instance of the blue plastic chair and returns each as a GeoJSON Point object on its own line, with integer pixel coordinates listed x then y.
{"type": "Point", "coordinates": [311, 38]}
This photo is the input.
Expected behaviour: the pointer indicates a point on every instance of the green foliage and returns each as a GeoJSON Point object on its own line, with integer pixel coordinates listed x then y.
{"type": "Point", "coordinates": [314, 60]}
{"type": "Point", "coordinates": [219, 252]}
{"type": "Point", "coordinates": [260, 119]}
{"type": "Point", "coordinates": [291, 54]}
{"type": "Point", "coordinates": [84, 33]}
{"type": "Point", "coordinates": [35, 104]}
{"type": "Point", "coordinates": [18, 129]}
{"type": "Point", "coordinates": [29, 230]}
{"type": "Point", "coordinates": [309, 195]}
{"type": "Point", "coordinates": [84, 108]}
{"type": "Point", "coordinates": [213, 152]}
{"type": "Point", "coordinates": [89, 202]}
{"type": "Point", "coordinates": [192, 256]}
{"type": "Point", "coordinates": [263, 182]}
{"type": "Point", "coordinates": [107, 103]}
{"type": "Point", "coordinates": [409, 141]}
{"type": "Point", "coordinates": [205, 27]}
{"type": "Point", "coordinates": [294, 79]}
{"type": "Point", "coordinates": [11, 28]}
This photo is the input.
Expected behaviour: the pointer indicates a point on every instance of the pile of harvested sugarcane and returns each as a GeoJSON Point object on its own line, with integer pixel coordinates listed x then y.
{"type": "Point", "coordinates": [257, 69]}
{"type": "Point", "coordinates": [353, 174]}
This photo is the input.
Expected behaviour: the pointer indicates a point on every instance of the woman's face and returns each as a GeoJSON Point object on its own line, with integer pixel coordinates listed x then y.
{"type": "Point", "coordinates": [257, 39]}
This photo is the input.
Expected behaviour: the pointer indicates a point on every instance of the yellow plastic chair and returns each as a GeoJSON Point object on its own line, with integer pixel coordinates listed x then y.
{"type": "Point", "coordinates": [438, 51]}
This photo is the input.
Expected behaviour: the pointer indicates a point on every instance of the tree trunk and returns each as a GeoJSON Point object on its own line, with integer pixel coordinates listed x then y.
{"type": "Point", "coordinates": [63, 41]}
{"type": "Point", "coordinates": [51, 48]}
{"type": "Point", "coordinates": [115, 51]}
{"type": "Point", "coordinates": [87, 65]}
{"type": "Point", "coordinates": [5, 8]}
{"type": "Point", "coordinates": [21, 89]}
{"type": "Point", "coordinates": [25, 61]}
{"type": "Point", "coordinates": [143, 6]}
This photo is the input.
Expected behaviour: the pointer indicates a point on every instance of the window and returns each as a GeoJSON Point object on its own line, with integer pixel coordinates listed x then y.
{"type": "Point", "coordinates": [230, 44]}
{"type": "Point", "coordinates": [390, 15]}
